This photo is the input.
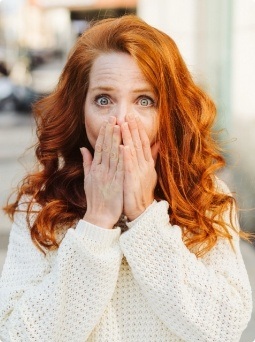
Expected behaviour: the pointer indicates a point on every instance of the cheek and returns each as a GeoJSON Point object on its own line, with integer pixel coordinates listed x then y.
{"type": "Point", "coordinates": [151, 127]}
{"type": "Point", "coordinates": [92, 128]}
{"type": "Point", "coordinates": [92, 125]}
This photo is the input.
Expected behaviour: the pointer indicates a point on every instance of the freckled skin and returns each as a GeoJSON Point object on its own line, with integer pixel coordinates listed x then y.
{"type": "Point", "coordinates": [117, 87]}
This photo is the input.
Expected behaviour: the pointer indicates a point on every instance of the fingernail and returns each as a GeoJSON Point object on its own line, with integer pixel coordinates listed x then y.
{"type": "Point", "coordinates": [111, 119]}
{"type": "Point", "coordinates": [131, 116]}
{"type": "Point", "coordinates": [125, 125]}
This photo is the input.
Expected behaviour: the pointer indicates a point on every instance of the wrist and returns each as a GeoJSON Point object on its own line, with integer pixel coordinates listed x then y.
{"type": "Point", "coordinates": [131, 223]}
{"type": "Point", "coordinates": [134, 216]}
{"type": "Point", "coordinates": [136, 213]}
{"type": "Point", "coordinates": [99, 221]}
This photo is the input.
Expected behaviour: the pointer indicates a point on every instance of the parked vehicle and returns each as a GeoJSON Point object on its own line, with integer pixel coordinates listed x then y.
{"type": "Point", "coordinates": [29, 79]}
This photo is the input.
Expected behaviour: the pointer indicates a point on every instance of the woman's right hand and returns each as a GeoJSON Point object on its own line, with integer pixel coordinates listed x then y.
{"type": "Point", "coordinates": [103, 177]}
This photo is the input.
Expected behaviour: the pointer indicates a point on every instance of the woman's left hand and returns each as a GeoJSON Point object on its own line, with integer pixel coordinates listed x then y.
{"type": "Point", "coordinates": [139, 167]}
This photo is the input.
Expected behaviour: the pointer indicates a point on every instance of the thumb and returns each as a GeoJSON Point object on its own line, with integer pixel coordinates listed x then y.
{"type": "Point", "coordinates": [154, 150]}
{"type": "Point", "coordinates": [87, 160]}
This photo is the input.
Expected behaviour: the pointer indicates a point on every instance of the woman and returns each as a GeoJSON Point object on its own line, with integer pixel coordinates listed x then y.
{"type": "Point", "coordinates": [124, 233]}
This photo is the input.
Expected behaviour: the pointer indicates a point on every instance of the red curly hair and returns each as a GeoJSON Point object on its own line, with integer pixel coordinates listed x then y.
{"type": "Point", "coordinates": [188, 156]}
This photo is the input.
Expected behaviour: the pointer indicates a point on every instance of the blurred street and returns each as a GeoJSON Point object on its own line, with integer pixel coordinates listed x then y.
{"type": "Point", "coordinates": [16, 135]}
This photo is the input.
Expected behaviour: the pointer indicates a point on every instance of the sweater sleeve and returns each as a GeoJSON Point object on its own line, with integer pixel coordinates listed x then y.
{"type": "Point", "coordinates": [60, 296]}
{"type": "Point", "coordinates": [206, 299]}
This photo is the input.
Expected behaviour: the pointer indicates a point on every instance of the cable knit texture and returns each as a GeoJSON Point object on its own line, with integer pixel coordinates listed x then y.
{"type": "Point", "coordinates": [143, 285]}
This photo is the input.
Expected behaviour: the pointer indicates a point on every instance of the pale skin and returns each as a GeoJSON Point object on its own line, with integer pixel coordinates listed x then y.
{"type": "Point", "coordinates": [121, 123]}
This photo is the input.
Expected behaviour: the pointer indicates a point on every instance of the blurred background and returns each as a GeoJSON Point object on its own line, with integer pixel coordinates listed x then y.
{"type": "Point", "coordinates": [216, 39]}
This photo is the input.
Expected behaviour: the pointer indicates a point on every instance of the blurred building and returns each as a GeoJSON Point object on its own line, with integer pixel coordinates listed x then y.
{"type": "Point", "coordinates": [35, 32]}
{"type": "Point", "coordinates": [214, 37]}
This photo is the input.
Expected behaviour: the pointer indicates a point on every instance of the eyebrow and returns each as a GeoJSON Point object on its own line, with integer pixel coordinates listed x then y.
{"type": "Point", "coordinates": [108, 88]}
{"type": "Point", "coordinates": [104, 88]}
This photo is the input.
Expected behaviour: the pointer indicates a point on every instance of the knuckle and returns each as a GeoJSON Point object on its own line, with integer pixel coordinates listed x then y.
{"type": "Point", "coordinates": [105, 148]}
{"type": "Point", "coordinates": [98, 148]}
{"type": "Point", "coordinates": [113, 155]}
{"type": "Point", "coordinates": [120, 166]}
{"type": "Point", "coordinates": [137, 145]}
{"type": "Point", "coordinates": [93, 168]}
{"type": "Point", "coordinates": [146, 144]}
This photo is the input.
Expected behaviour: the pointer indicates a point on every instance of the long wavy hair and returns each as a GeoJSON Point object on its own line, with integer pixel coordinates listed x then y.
{"type": "Point", "coordinates": [188, 157]}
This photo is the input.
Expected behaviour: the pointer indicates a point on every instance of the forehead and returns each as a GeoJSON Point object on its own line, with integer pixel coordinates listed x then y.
{"type": "Point", "coordinates": [116, 67]}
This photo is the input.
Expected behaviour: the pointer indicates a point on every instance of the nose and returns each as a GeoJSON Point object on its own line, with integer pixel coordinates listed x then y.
{"type": "Point", "coordinates": [121, 111]}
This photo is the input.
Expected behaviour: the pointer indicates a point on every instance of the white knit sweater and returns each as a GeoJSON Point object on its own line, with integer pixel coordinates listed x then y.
{"type": "Point", "coordinates": [140, 286]}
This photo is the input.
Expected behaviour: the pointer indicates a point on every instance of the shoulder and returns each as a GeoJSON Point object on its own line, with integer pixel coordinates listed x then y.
{"type": "Point", "coordinates": [26, 211]}
{"type": "Point", "coordinates": [26, 215]}
{"type": "Point", "coordinates": [221, 187]}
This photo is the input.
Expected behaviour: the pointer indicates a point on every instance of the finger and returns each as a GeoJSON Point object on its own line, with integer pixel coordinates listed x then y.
{"type": "Point", "coordinates": [114, 154]}
{"type": "Point", "coordinates": [136, 139]}
{"type": "Point", "coordinates": [87, 160]}
{"type": "Point", "coordinates": [107, 144]}
{"type": "Point", "coordinates": [127, 159]}
{"type": "Point", "coordinates": [120, 167]}
{"type": "Point", "coordinates": [99, 146]}
{"type": "Point", "coordinates": [145, 141]}
{"type": "Point", "coordinates": [127, 138]}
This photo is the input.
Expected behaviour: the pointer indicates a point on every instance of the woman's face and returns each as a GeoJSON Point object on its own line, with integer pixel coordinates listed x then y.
{"type": "Point", "coordinates": [117, 87]}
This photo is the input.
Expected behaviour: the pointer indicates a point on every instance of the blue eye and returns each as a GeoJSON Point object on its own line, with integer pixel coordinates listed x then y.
{"type": "Point", "coordinates": [145, 101]}
{"type": "Point", "coordinates": [102, 100]}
